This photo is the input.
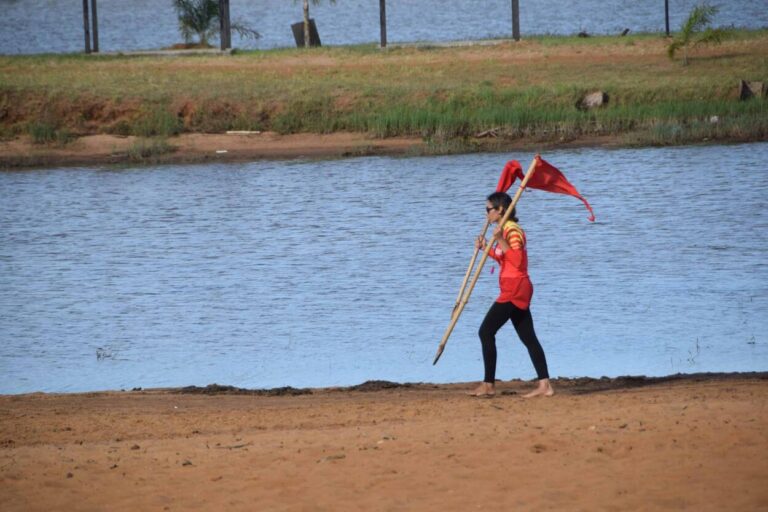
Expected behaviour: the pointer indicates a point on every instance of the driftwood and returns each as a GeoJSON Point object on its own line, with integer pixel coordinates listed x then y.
{"type": "Point", "coordinates": [493, 132]}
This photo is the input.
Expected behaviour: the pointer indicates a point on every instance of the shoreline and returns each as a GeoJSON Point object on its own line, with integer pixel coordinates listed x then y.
{"type": "Point", "coordinates": [199, 148]}
{"type": "Point", "coordinates": [694, 442]}
{"type": "Point", "coordinates": [114, 150]}
{"type": "Point", "coordinates": [570, 385]}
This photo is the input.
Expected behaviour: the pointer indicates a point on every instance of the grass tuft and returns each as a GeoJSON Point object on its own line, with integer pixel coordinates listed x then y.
{"type": "Point", "coordinates": [149, 149]}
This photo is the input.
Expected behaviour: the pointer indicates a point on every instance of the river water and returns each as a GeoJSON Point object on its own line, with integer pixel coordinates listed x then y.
{"type": "Point", "coordinates": [309, 273]}
{"type": "Point", "coordinates": [40, 26]}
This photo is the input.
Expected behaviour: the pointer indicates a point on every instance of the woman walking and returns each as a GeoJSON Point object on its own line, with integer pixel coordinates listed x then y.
{"type": "Point", "coordinates": [513, 303]}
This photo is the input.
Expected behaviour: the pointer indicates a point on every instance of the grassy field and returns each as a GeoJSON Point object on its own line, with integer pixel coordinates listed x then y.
{"type": "Point", "coordinates": [523, 90]}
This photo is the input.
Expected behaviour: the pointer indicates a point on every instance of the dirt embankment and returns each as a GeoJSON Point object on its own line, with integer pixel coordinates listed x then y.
{"type": "Point", "coordinates": [197, 147]}
{"type": "Point", "coordinates": [95, 150]}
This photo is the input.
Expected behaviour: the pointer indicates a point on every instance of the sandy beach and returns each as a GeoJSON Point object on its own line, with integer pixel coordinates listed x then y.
{"type": "Point", "coordinates": [683, 443]}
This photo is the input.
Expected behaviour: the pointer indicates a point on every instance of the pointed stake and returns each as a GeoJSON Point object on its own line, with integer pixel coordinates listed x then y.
{"type": "Point", "coordinates": [469, 270]}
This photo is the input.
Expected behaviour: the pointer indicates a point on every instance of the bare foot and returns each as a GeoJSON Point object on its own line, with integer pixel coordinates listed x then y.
{"type": "Point", "coordinates": [485, 389]}
{"type": "Point", "coordinates": [543, 389]}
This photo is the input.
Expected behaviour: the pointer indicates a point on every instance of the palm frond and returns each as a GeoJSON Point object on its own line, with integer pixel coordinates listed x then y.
{"type": "Point", "coordinates": [673, 47]}
{"type": "Point", "coordinates": [691, 31]}
{"type": "Point", "coordinates": [244, 31]}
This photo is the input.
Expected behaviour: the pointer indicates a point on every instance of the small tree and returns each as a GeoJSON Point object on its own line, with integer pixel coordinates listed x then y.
{"type": "Point", "coordinates": [201, 18]}
{"type": "Point", "coordinates": [306, 19]}
{"type": "Point", "coordinates": [691, 33]}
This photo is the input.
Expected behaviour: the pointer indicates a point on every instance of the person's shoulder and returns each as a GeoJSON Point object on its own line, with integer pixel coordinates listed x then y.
{"type": "Point", "coordinates": [514, 235]}
{"type": "Point", "coordinates": [511, 225]}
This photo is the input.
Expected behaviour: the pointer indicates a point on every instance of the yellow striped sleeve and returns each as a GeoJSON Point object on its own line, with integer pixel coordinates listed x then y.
{"type": "Point", "coordinates": [514, 236]}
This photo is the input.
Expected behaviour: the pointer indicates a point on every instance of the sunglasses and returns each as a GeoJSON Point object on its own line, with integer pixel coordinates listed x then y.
{"type": "Point", "coordinates": [488, 210]}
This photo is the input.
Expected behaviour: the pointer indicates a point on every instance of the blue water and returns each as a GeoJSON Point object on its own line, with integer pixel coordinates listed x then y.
{"type": "Point", "coordinates": [40, 26]}
{"type": "Point", "coordinates": [328, 273]}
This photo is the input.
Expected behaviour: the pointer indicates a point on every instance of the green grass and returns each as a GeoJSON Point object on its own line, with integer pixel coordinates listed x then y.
{"type": "Point", "coordinates": [528, 89]}
{"type": "Point", "coordinates": [42, 132]}
{"type": "Point", "coordinates": [148, 150]}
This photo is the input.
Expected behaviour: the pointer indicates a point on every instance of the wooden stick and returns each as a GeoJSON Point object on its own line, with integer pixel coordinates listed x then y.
{"type": "Point", "coordinates": [465, 299]}
{"type": "Point", "coordinates": [469, 270]}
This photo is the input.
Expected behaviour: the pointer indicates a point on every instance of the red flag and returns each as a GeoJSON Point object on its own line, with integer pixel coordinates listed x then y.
{"type": "Point", "coordinates": [511, 171]}
{"type": "Point", "coordinates": [546, 177]}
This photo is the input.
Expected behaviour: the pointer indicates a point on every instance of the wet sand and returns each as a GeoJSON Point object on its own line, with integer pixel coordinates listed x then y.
{"type": "Point", "coordinates": [681, 443]}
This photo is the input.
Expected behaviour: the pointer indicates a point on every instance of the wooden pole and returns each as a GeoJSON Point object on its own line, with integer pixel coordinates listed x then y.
{"type": "Point", "coordinates": [86, 27]}
{"type": "Point", "coordinates": [224, 30]}
{"type": "Point", "coordinates": [229, 25]}
{"type": "Point", "coordinates": [222, 41]}
{"type": "Point", "coordinates": [465, 299]}
{"type": "Point", "coordinates": [95, 31]}
{"type": "Point", "coordinates": [469, 270]}
{"type": "Point", "coordinates": [383, 22]}
{"type": "Point", "coordinates": [516, 20]}
{"type": "Point", "coordinates": [666, 15]}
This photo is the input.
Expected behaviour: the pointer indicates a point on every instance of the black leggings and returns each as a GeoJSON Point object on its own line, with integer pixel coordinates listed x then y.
{"type": "Point", "coordinates": [496, 317]}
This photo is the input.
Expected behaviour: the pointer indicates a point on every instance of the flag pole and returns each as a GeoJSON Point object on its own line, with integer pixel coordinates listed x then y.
{"type": "Point", "coordinates": [469, 270]}
{"type": "Point", "coordinates": [465, 298]}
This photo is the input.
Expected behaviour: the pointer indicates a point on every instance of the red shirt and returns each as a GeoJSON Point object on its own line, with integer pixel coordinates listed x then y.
{"type": "Point", "coordinates": [515, 285]}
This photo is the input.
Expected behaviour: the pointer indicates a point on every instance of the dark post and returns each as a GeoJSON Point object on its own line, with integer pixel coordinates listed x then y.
{"type": "Point", "coordinates": [222, 41]}
{"type": "Point", "coordinates": [86, 27]}
{"type": "Point", "coordinates": [225, 31]}
{"type": "Point", "coordinates": [383, 22]}
{"type": "Point", "coordinates": [516, 20]}
{"type": "Point", "coordinates": [95, 20]}
{"type": "Point", "coordinates": [666, 14]}
{"type": "Point", "coordinates": [229, 26]}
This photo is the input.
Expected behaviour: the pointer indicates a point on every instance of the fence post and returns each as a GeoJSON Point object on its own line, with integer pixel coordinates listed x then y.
{"type": "Point", "coordinates": [383, 22]}
{"type": "Point", "coordinates": [225, 30]}
{"type": "Point", "coordinates": [229, 26]}
{"type": "Point", "coordinates": [95, 20]}
{"type": "Point", "coordinates": [516, 20]}
{"type": "Point", "coordinates": [86, 27]}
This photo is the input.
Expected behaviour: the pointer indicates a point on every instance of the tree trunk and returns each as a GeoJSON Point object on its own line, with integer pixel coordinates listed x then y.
{"type": "Point", "coordinates": [306, 23]}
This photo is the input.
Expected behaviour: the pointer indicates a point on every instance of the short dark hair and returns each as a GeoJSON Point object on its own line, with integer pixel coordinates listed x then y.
{"type": "Point", "coordinates": [502, 199]}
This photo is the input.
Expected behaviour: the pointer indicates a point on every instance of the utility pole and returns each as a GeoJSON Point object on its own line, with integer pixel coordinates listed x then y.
{"type": "Point", "coordinates": [666, 15]}
{"type": "Point", "coordinates": [516, 20]}
{"type": "Point", "coordinates": [383, 22]}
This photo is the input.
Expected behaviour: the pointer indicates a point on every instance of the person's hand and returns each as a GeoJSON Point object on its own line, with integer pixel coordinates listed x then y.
{"type": "Point", "coordinates": [480, 243]}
